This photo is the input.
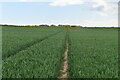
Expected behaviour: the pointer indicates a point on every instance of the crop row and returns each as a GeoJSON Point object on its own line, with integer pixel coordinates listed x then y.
{"type": "Point", "coordinates": [93, 53]}
{"type": "Point", "coordinates": [41, 60]}
{"type": "Point", "coordinates": [17, 39]}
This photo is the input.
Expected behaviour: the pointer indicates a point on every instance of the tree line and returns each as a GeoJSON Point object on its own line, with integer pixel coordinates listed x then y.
{"type": "Point", "coordinates": [45, 25]}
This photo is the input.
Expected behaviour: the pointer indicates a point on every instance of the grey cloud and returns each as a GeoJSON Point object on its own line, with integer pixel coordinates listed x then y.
{"type": "Point", "coordinates": [98, 8]}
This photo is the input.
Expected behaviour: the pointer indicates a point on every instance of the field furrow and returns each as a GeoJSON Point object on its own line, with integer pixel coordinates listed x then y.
{"type": "Point", "coordinates": [18, 41]}
{"type": "Point", "coordinates": [61, 52]}
{"type": "Point", "coordinates": [41, 60]}
{"type": "Point", "coordinates": [64, 68]}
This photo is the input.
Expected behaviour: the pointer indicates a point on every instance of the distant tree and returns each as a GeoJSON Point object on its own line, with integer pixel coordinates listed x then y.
{"type": "Point", "coordinates": [73, 26]}
{"type": "Point", "coordinates": [44, 25]}
{"type": "Point", "coordinates": [53, 25]}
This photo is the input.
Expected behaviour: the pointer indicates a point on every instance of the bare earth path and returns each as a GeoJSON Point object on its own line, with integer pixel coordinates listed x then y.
{"type": "Point", "coordinates": [64, 69]}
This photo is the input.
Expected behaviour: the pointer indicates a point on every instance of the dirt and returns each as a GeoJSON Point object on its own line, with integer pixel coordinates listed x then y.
{"type": "Point", "coordinates": [64, 72]}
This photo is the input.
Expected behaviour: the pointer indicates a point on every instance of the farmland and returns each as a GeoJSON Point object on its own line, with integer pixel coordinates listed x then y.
{"type": "Point", "coordinates": [38, 52]}
{"type": "Point", "coordinates": [93, 53]}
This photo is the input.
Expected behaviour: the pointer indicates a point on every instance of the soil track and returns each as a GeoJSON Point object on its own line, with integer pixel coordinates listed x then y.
{"type": "Point", "coordinates": [64, 70]}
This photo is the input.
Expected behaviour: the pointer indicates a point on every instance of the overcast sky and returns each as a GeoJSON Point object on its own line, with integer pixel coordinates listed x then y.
{"type": "Point", "coordinates": [75, 12]}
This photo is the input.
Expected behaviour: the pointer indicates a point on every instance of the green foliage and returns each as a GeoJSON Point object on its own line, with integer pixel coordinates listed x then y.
{"type": "Point", "coordinates": [17, 38]}
{"type": "Point", "coordinates": [38, 52]}
{"type": "Point", "coordinates": [44, 25]}
{"type": "Point", "coordinates": [41, 60]}
{"type": "Point", "coordinates": [93, 53]}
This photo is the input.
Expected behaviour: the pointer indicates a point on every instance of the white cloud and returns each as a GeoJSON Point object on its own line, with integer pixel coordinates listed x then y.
{"type": "Point", "coordinates": [100, 3]}
{"type": "Point", "coordinates": [65, 2]}
{"type": "Point", "coordinates": [104, 8]}
{"type": "Point", "coordinates": [34, 0]}
{"type": "Point", "coordinates": [101, 7]}
{"type": "Point", "coordinates": [23, 0]}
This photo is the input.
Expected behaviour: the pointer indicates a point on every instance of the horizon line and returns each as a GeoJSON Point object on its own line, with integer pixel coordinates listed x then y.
{"type": "Point", "coordinates": [53, 24]}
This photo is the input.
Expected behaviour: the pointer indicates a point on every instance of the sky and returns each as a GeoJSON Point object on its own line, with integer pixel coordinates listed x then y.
{"type": "Point", "coordinates": [90, 13]}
